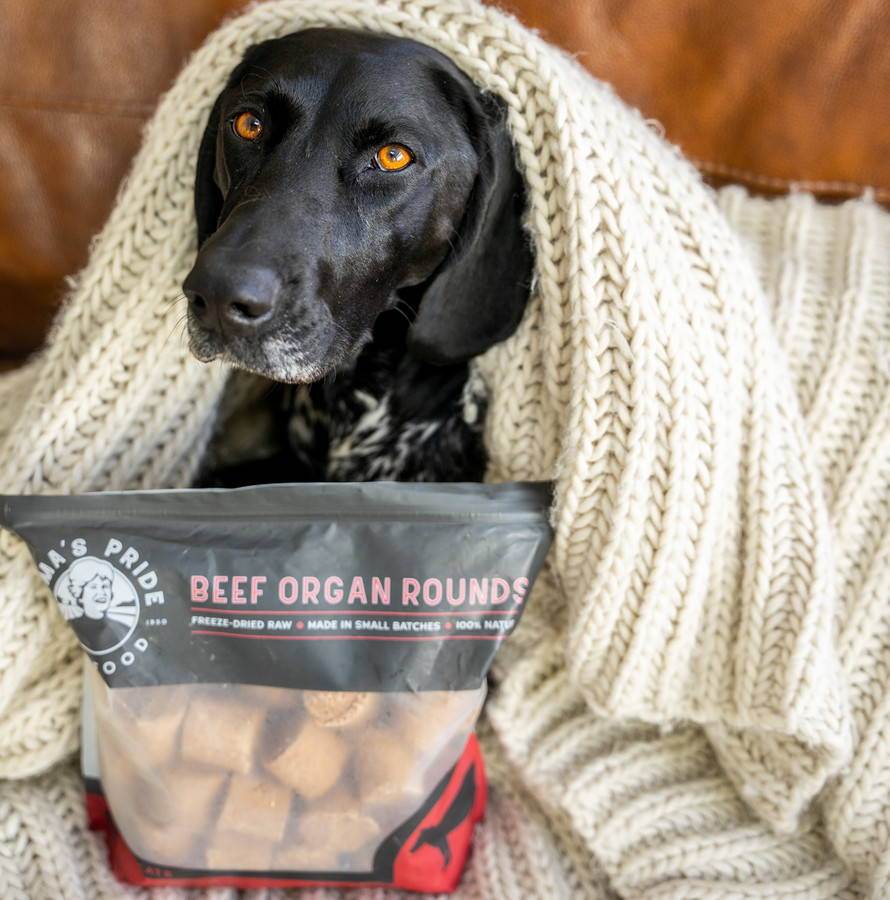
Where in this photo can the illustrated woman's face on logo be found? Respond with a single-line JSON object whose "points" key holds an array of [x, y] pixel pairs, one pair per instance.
{"points": [[96, 597]]}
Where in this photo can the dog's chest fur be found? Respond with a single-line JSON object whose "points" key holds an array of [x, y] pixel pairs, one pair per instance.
{"points": [[391, 418], [386, 417]]}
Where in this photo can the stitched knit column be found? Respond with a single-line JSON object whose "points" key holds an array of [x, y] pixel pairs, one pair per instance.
{"points": [[827, 272]]}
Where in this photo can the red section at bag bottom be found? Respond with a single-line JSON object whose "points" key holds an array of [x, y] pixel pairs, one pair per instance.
{"points": [[431, 859]]}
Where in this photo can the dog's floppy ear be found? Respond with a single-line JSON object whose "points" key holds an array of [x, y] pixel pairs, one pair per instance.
{"points": [[209, 169], [208, 196], [478, 294]]}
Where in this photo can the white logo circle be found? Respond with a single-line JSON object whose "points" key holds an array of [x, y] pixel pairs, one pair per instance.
{"points": [[99, 601]]}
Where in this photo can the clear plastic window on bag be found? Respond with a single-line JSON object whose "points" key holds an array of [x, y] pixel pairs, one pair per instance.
{"points": [[263, 778]]}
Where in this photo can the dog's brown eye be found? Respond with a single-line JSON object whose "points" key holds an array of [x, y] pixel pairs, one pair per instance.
{"points": [[248, 126], [393, 157]]}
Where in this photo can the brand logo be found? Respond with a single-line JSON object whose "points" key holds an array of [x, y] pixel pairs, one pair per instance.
{"points": [[100, 601], [101, 591]]}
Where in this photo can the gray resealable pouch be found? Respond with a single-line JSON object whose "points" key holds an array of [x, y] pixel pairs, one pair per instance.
{"points": [[285, 678]]}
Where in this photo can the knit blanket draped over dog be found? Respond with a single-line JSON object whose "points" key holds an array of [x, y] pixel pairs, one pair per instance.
{"points": [[694, 704]]}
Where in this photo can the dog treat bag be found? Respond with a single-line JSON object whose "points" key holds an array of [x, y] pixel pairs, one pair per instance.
{"points": [[282, 681]]}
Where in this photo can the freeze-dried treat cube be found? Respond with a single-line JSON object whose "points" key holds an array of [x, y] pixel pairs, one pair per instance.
{"points": [[222, 732], [341, 798], [386, 769], [162, 844], [338, 821], [428, 719], [311, 762], [178, 794], [256, 805], [273, 697], [117, 758], [361, 860], [153, 714], [142, 724], [301, 856], [341, 709], [228, 850], [345, 831]]}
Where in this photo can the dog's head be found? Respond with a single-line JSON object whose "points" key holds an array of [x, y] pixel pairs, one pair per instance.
{"points": [[339, 169]]}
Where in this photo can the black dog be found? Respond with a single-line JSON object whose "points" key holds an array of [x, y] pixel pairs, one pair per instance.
{"points": [[359, 222]]}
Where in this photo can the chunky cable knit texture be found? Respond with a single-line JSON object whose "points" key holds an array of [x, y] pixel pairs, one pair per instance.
{"points": [[694, 705]]}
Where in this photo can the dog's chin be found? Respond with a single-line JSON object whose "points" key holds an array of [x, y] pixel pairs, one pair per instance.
{"points": [[276, 356]]}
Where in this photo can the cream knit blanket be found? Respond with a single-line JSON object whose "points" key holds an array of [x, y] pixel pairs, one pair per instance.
{"points": [[695, 703]]}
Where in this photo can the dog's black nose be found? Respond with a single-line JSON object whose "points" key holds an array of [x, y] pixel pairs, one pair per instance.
{"points": [[231, 298]]}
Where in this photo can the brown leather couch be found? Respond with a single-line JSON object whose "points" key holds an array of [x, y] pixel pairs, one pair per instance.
{"points": [[769, 95]]}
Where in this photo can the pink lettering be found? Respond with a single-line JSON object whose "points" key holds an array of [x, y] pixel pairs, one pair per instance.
{"points": [[219, 583], [199, 589], [449, 591], [410, 589], [288, 589], [311, 586], [333, 589], [500, 590], [238, 595], [432, 591], [357, 591], [380, 590], [520, 587], [478, 591]]}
